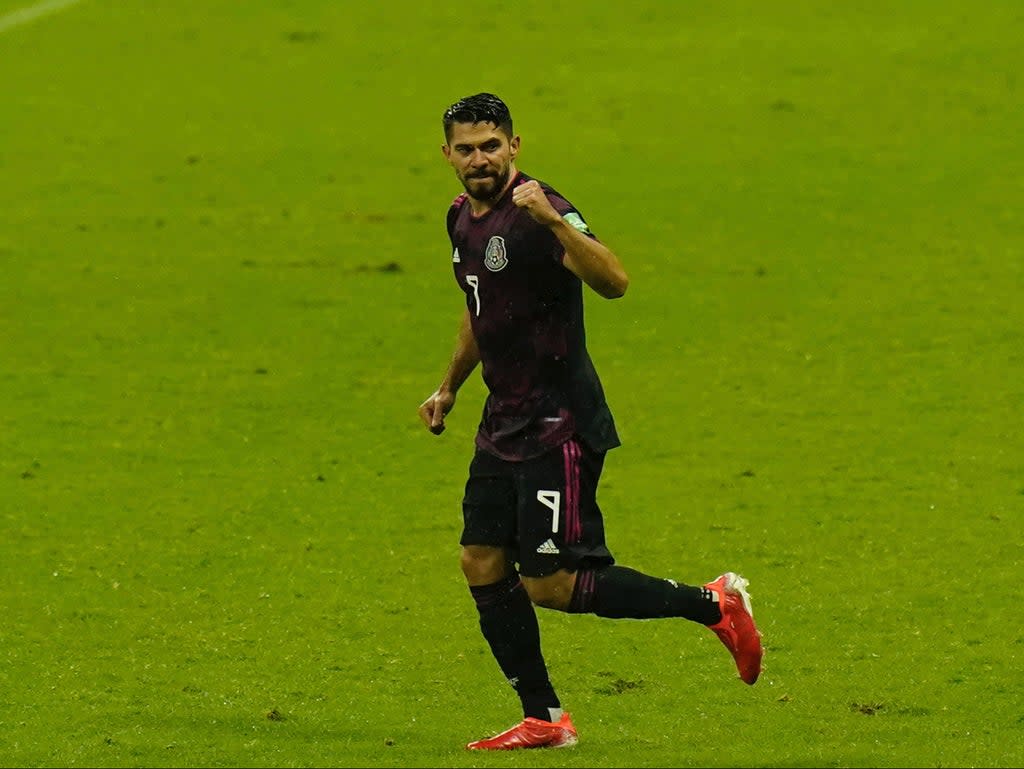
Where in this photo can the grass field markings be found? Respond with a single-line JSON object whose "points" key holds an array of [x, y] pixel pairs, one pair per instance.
{"points": [[868, 709], [618, 686], [33, 12]]}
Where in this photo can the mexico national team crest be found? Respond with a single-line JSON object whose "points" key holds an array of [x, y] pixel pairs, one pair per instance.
{"points": [[495, 257]]}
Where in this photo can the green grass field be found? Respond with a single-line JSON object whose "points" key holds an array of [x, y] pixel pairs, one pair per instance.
{"points": [[225, 538]]}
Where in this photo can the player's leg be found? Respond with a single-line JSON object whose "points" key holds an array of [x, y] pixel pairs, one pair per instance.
{"points": [[563, 556], [575, 543], [508, 620]]}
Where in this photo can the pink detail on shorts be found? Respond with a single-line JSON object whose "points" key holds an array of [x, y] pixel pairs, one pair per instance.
{"points": [[573, 525]]}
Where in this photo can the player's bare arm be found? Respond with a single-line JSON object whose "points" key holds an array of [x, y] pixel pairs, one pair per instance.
{"points": [[464, 359], [590, 260]]}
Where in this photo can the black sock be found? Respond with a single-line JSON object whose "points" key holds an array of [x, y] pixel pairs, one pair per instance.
{"points": [[509, 623], [620, 592]]}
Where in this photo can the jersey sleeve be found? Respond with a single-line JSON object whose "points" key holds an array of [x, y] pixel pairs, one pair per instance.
{"points": [[453, 214], [571, 214]]}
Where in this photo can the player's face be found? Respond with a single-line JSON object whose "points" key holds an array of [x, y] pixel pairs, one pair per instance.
{"points": [[483, 158]]}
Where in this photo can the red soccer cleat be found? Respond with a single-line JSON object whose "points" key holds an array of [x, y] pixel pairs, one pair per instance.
{"points": [[736, 629], [531, 733]]}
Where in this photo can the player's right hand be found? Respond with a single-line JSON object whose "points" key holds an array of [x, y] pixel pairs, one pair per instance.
{"points": [[434, 409]]}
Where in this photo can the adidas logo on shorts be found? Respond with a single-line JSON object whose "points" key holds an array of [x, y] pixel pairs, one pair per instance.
{"points": [[548, 548]]}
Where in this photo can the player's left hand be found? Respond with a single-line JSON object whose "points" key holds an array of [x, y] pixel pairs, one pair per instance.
{"points": [[530, 196]]}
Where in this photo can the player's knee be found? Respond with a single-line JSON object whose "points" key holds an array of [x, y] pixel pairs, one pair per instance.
{"points": [[483, 565]]}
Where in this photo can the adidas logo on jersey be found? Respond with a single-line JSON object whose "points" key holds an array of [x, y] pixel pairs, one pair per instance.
{"points": [[548, 548], [455, 256]]}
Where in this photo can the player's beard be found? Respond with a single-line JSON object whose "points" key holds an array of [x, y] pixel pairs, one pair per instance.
{"points": [[486, 191]]}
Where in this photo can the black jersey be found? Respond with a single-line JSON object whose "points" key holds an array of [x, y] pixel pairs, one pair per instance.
{"points": [[526, 311]]}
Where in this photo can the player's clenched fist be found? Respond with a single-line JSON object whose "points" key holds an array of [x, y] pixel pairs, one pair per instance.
{"points": [[530, 196], [434, 409]]}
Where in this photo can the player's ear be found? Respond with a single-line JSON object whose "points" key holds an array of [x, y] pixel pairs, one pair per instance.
{"points": [[513, 146], [447, 152]]}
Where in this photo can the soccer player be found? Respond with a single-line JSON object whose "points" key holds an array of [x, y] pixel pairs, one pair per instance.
{"points": [[532, 529]]}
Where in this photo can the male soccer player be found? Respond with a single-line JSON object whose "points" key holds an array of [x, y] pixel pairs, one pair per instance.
{"points": [[532, 529]]}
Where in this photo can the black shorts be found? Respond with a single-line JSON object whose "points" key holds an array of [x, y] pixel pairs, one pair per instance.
{"points": [[543, 509]]}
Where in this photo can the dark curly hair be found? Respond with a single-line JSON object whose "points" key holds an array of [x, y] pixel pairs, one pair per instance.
{"points": [[479, 108]]}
